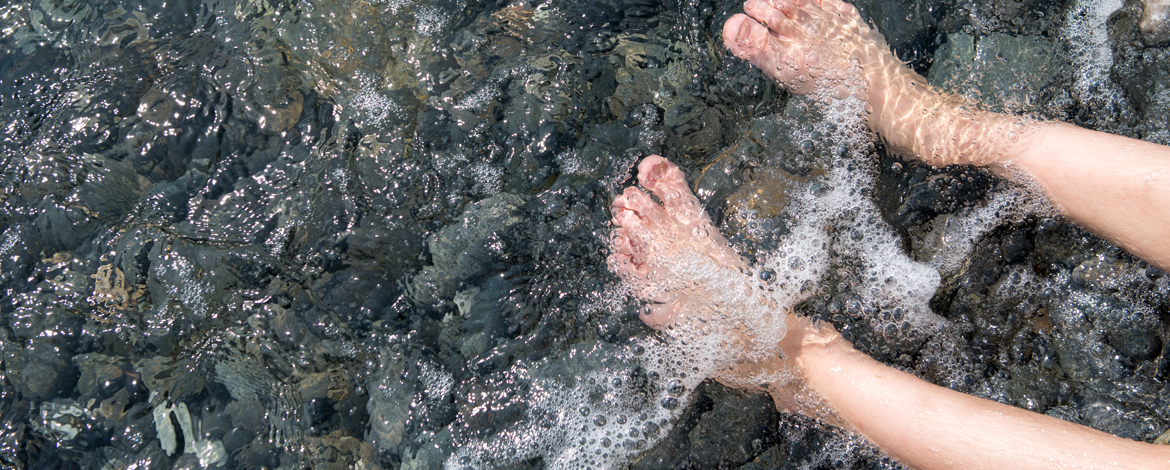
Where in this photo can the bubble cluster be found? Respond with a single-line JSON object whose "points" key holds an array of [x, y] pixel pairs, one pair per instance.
{"points": [[954, 236], [612, 404], [393, 6], [185, 288], [377, 108], [430, 20], [9, 242], [1085, 30]]}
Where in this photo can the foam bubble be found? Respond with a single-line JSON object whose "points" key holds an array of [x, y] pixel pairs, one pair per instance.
{"points": [[954, 237], [185, 287], [393, 6], [377, 107], [1085, 30], [479, 100], [613, 403], [9, 242], [430, 20], [489, 179]]}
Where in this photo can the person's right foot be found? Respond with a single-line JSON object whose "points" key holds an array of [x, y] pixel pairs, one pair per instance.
{"points": [[824, 48], [805, 46]]}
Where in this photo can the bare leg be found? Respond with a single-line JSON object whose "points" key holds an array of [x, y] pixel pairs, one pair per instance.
{"points": [[1116, 186], [920, 424], [826, 49]]}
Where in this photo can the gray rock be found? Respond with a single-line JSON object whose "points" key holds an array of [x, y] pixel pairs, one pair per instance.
{"points": [[247, 415], [464, 249], [99, 373], [723, 436], [390, 403], [1117, 419], [999, 71], [45, 371]]}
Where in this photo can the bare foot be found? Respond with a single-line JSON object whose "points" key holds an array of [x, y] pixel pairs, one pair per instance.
{"points": [[654, 243], [696, 284], [824, 48]]}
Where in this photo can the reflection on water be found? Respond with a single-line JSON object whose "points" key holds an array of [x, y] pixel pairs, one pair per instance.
{"points": [[372, 234]]}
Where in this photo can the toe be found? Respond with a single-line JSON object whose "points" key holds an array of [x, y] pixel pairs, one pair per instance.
{"points": [[668, 183], [645, 208], [659, 314], [620, 243], [655, 171], [744, 36]]}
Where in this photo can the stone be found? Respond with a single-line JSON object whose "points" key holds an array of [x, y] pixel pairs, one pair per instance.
{"points": [[100, 374], [462, 249], [247, 414], [1001, 72]]}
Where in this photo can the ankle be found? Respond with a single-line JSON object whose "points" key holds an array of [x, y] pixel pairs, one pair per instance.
{"points": [[942, 129]]}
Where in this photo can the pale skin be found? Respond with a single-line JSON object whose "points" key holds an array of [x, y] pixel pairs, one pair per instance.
{"points": [[1114, 185]]}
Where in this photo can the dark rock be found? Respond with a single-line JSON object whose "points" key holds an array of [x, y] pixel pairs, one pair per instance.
{"points": [[247, 415], [236, 438], [1012, 82]]}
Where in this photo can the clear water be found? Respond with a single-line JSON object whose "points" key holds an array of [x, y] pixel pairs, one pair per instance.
{"points": [[372, 234]]}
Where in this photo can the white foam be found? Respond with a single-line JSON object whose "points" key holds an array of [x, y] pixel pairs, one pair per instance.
{"points": [[430, 20], [959, 233], [1086, 32], [479, 100], [392, 6], [378, 108], [184, 286], [9, 243], [606, 417], [489, 179]]}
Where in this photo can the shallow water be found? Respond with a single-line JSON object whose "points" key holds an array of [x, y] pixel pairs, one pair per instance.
{"points": [[373, 234]]}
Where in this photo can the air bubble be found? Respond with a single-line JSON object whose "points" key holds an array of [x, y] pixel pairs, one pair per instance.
{"points": [[796, 263]]}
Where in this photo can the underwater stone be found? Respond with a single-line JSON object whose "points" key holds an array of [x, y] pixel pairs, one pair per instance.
{"points": [[1101, 273], [1004, 72], [98, 373], [44, 373], [736, 418], [390, 402], [1115, 418], [458, 251], [236, 438], [246, 414], [63, 420]]}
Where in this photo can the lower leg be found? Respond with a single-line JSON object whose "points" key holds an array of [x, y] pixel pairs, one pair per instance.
{"points": [[920, 424], [825, 49], [1116, 186]]}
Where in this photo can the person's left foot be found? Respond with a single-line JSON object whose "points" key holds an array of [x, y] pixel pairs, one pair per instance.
{"points": [[696, 284], [654, 241]]}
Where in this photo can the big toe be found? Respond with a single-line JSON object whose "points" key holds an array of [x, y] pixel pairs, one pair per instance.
{"points": [[743, 36], [667, 182]]}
